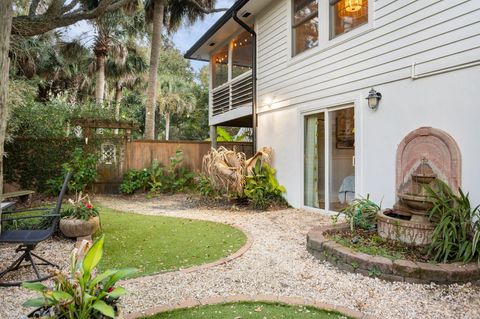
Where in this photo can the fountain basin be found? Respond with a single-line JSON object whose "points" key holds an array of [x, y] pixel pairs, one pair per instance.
{"points": [[398, 226], [419, 204]]}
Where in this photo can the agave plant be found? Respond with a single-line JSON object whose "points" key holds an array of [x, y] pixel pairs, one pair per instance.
{"points": [[81, 294]]}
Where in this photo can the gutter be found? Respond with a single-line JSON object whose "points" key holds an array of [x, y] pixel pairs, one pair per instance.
{"points": [[254, 75], [223, 19]]}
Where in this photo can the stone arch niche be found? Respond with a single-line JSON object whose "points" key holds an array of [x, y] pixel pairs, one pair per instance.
{"points": [[434, 145]]}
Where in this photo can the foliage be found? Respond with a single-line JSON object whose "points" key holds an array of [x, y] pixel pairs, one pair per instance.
{"points": [[80, 208], [81, 294], [361, 213], [262, 188], [224, 136], [134, 180], [84, 168], [171, 179], [456, 235], [31, 162], [205, 187], [155, 244]]}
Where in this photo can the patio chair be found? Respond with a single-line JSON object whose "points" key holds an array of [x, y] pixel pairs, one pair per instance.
{"points": [[29, 238]]}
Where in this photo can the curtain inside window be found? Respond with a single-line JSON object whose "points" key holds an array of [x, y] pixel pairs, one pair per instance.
{"points": [[311, 162]]}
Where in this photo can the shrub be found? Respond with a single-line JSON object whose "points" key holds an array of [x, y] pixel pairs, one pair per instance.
{"points": [[361, 213], [262, 188], [456, 235], [134, 180], [80, 208], [84, 169], [81, 293], [158, 178], [205, 187]]}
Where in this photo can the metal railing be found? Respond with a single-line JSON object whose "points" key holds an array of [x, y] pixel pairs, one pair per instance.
{"points": [[232, 95]]}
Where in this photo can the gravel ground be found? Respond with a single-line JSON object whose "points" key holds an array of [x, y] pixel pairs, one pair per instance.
{"points": [[276, 264]]}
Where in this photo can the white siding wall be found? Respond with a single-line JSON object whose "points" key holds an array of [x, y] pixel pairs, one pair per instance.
{"points": [[432, 34]]}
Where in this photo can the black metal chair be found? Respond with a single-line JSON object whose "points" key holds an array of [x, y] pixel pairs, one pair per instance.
{"points": [[29, 238]]}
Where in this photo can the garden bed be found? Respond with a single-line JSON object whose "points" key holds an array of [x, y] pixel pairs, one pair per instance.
{"points": [[387, 263]]}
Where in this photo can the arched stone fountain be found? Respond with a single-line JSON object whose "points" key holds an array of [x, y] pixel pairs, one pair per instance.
{"points": [[425, 155]]}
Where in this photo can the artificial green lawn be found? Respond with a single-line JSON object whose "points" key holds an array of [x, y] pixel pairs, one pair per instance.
{"points": [[156, 243], [249, 310]]}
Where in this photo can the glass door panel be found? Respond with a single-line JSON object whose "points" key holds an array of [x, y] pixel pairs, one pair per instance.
{"points": [[341, 158], [314, 175]]}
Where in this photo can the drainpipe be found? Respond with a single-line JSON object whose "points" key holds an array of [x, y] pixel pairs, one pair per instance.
{"points": [[254, 77]]}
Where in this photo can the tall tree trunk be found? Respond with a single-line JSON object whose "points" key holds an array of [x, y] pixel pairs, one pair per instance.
{"points": [[5, 29], [73, 92], [158, 11], [118, 100], [167, 126], [100, 78]]}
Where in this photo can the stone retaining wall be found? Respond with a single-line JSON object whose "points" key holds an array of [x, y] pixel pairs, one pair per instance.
{"points": [[393, 270]]}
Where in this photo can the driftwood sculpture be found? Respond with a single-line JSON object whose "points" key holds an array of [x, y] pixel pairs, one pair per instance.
{"points": [[227, 169]]}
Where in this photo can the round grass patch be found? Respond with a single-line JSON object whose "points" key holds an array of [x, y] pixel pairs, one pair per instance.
{"points": [[156, 244], [250, 310]]}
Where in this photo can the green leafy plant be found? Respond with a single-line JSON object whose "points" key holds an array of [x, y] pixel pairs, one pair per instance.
{"points": [[456, 235], [80, 208], [360, 213], [262, 188], [81, 294], [205, 187], [134, 180], [84, 168], [172, 178]]}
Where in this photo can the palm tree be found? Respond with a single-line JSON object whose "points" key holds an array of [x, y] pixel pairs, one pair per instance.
{"points": [[176, 96], [169, 14], [126, 73]]}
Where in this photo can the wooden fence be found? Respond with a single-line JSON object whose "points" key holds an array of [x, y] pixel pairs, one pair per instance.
{"points": [[140, 154]]}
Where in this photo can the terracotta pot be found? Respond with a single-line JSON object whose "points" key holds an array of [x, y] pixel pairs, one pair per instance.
{"points": [[79, 228]]}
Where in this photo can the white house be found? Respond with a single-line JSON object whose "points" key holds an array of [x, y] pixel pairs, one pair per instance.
{"points": [[315, 63]]}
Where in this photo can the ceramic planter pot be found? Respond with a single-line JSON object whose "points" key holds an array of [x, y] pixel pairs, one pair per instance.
{"points": [[74, 228]]}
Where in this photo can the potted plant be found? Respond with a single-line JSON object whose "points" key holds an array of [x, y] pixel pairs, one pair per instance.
{"points": [[81, 218], [81, 293]]}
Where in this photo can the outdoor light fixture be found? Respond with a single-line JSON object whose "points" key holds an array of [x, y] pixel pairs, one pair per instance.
{"points": [[373, 99]]}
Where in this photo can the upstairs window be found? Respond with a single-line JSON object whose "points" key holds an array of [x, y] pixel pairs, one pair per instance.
{"points": [[346, 15], [220, 67], [242, 54], [304, 25]]}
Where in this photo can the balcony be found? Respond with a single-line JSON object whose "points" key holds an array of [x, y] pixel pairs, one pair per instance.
{"points": [[231, 103]]}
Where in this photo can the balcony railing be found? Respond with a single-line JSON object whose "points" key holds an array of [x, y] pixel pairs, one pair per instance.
{"points": [[232, 95]]}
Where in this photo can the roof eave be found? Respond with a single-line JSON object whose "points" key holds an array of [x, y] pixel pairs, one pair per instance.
{"points": [[213, 29]]}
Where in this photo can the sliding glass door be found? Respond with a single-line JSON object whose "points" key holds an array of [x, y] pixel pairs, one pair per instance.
{"points": [[329, 177]]}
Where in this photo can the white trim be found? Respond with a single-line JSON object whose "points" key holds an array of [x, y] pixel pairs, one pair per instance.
{"points": [[333, 104], [324, 41]]}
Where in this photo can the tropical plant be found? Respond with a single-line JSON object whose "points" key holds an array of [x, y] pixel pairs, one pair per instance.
{"points": [[81, 294], [360, 213], [224, 136], [176, 178], [80, 208], [175, 96], [205, 187], [134, 180], [84, 168], [169, 13], [456, 235], [262, 188]]}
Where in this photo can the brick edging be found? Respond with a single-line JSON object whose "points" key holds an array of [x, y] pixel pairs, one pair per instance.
{"points": [[392, 270], [292, 301]]}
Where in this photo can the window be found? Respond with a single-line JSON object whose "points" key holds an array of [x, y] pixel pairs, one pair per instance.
{"points": [[346, 15], [304, 25], [242, 54], [220, 67]]}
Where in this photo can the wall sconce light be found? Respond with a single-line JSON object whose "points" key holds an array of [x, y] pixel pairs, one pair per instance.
{"points": [[373, 99]]}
